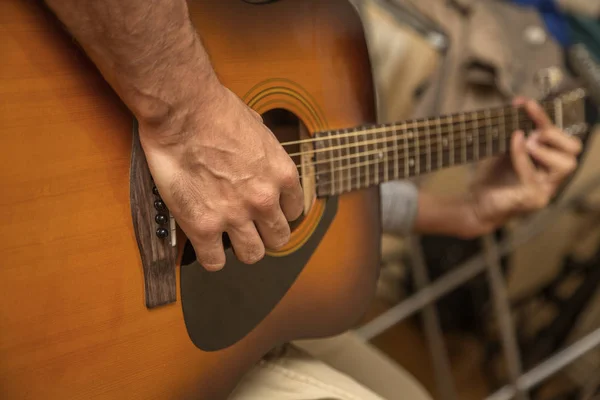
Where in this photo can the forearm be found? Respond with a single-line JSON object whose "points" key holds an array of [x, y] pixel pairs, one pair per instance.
{"points": [[148, 51], [450, 216], [407, 209]]}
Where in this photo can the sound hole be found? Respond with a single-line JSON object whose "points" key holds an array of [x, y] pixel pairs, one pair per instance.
{"points": [[289, 128]]}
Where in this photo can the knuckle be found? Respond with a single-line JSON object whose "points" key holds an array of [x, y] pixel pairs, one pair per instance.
{"points": [[237, 219], [265, 199], [209, 227], [289, 176]]}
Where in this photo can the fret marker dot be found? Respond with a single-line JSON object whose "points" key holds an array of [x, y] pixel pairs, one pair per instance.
{"points": [[410, 134], [411, 162], [445, 141], [380, 155], [470, 138]]}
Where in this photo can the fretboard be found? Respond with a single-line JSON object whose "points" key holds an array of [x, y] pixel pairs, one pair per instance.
{"points": [[353, 159]]}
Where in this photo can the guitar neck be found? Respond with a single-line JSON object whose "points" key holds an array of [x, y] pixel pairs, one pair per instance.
{"points": [[353, 159]]}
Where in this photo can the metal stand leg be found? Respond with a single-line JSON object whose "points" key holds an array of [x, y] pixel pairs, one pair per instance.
{"points": [[551, 366], [503, 314], [435, 338]]}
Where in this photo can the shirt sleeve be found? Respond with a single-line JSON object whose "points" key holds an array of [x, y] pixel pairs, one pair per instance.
{"points": [[399, 206]]}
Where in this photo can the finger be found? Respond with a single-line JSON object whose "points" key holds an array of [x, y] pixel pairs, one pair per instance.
{"points": [[561, 141], [558, 164], [209, 251], [292, 196], [246, 243], [538, 115], [519, 101], [522, 163], [274, 229]]}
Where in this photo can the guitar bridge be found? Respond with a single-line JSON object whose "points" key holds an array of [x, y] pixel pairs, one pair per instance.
{"points": [[155, 231]]}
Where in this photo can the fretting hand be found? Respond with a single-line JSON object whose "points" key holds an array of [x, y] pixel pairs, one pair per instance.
{"points": [[513, 184]]}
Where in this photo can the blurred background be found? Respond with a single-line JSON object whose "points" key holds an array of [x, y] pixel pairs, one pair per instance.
{"points": [[527, 299]]}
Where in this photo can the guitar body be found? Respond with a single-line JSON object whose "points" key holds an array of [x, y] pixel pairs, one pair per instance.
{"points": [[74, 322]]}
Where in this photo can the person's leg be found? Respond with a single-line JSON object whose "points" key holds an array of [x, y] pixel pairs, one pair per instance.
{"points": [[292, 374], [366, 364]]}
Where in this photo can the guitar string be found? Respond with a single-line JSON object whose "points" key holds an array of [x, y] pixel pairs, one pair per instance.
{"points": [[374, 161], [375, 177], [454, 144], [415, 124], [422, 122], [429, 139], [402, 135]]}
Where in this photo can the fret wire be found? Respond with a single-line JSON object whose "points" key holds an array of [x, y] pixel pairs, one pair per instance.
{"points": [[377, 155], [489, 143], [368, 183], [332, 165], [417, 164], [349, 173], [451, 130], [359, 171], [463, 136], [339, 151], [475, 138], [406, 170], [440, 143], [359, 176], [354, 180], [396, 166], [386, 176], [428, 147]]}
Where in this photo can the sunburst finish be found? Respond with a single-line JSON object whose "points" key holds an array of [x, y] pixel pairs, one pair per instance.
{"points": [[73, 323]]}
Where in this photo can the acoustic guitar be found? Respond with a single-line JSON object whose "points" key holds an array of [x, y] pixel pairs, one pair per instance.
{"points": [[100, 297]]}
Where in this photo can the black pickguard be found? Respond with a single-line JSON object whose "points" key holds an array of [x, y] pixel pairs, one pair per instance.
{"points": [[221, 308]]}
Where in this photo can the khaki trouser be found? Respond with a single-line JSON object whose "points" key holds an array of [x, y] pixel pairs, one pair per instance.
{"points": [[340, 368]]}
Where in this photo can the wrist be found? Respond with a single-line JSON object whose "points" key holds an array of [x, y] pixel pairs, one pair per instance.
{"points": [[189, 86], [456, 216], [475, 222]]}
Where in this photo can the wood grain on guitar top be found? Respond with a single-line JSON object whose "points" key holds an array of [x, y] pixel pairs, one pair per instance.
{"points": [[73, 318]]}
